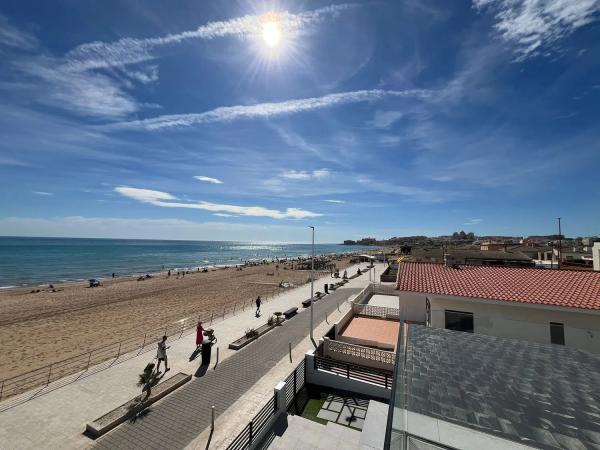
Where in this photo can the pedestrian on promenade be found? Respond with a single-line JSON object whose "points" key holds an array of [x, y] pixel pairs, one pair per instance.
{"points": [[161, 354], [199, 335], [258, 303]]}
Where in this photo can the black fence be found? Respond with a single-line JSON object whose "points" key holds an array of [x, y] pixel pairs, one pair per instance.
{"points": [[255, 426], [379, 377], [294, 384]]}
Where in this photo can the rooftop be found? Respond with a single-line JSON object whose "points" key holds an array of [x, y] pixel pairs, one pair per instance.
{"points": [[566, 288], [371, 332], [541, 395]]}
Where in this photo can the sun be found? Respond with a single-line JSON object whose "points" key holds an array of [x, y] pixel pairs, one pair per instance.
{"points": [[271, 34]]}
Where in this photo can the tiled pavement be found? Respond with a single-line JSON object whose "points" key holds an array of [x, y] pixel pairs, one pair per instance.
{"points": [[178, 419], [345, 410]]}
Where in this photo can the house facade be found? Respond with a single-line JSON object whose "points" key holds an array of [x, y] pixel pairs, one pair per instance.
{"points": [[559, 307]]}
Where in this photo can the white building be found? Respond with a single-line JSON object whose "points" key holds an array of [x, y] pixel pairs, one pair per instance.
{"points": [[596, 256], [545, 306]]}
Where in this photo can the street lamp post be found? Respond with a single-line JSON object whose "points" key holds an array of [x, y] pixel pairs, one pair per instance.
{"points": [[312, 285]]}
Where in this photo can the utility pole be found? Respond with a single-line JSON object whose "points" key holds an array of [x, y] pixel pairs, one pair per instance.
{"points": [[312, 286], [559, 243]]}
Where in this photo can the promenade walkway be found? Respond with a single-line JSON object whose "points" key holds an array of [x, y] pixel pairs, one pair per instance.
{"points": [[177, 420], [57, 418]]}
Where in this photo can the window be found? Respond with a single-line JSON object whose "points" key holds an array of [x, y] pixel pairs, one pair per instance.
{"points": [[459, 321], [557, 333]]}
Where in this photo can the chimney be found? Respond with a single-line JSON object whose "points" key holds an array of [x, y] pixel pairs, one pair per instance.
{"points": [[448, 260]]}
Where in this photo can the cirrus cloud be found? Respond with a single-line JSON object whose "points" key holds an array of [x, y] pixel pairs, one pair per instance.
{"points": [[208, 179], [533, 25], [165, 200], [266, 110]]}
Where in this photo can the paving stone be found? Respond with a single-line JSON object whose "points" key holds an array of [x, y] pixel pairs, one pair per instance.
{"points": [[335, 406], [328, 415], [359, 412]]}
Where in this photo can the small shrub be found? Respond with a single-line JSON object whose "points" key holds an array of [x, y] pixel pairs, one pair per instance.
{"points": [[271, 320], [251, 332]]}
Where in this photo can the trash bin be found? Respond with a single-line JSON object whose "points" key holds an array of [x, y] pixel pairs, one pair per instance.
{"points": [[206, 350], [326, 289]]}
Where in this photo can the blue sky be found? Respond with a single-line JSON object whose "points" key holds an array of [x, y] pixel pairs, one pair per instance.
{"points": [[253, 120]]}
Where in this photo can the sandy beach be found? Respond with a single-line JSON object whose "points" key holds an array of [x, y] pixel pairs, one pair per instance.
{"points": [[44, 327]]}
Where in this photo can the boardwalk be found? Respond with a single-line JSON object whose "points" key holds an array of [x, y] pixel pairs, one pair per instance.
{"points": [[178, 419]]}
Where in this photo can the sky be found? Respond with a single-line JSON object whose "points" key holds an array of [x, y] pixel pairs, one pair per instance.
{"points": [[255, 120]]}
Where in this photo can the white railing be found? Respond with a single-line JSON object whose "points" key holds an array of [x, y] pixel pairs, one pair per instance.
{"points": [[359, 354]]}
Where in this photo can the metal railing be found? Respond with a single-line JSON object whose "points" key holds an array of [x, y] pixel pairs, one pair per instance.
{"points": [[59, 373], [379, 377], [360, 351], [294, 383], [248, 434], [376, 311]]}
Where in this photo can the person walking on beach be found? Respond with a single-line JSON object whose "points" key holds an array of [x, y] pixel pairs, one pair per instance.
{"points": [[199, 335], [161, 354], [258, 303]]}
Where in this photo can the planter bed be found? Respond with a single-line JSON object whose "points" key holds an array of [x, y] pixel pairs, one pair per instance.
{"points": [[243, 341], [127, 410]]}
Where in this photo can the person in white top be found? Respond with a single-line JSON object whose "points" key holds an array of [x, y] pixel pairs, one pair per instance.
{"points": [[161, 354]]}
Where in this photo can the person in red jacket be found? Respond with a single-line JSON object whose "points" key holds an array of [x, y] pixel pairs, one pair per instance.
{"points": [[199, 335]]}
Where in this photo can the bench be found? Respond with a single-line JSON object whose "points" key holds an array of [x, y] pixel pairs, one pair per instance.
{"points": [[306, 303], [290, 312]]}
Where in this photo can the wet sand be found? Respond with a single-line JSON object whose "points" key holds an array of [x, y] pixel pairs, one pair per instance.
{"points": [[37, 329]]}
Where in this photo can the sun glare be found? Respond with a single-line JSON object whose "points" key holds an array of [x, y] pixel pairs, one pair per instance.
{"points": [[271, 33]]}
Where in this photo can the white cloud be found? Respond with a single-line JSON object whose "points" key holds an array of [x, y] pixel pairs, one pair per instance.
{"points": [[534, 25], [321, 173], [87, 93], [265, 110], [144, 195], [223, 215], [389, 139], [296, 175], [163, 199], [335, 201], [144, 76], [13, 37], [43, 193], [99, 55], [385, 119], [208, 179], [473, 221], [443, 178], [10, 161], [304, 175]]}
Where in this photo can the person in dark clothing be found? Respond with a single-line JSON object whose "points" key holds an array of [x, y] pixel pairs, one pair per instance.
{"points": [[258, 303]]}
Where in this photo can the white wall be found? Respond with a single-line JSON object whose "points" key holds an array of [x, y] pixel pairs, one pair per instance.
{"points": [[413, 304], [596, 254], [520, 321]]}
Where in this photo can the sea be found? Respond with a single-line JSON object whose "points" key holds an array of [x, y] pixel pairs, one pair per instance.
{"points": [[33, 261]]}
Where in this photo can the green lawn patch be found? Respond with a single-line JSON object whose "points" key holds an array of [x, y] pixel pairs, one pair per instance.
{"points": [[312, 408]]}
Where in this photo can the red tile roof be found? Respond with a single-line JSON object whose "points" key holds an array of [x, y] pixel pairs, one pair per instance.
{"points": [[567, 288]]}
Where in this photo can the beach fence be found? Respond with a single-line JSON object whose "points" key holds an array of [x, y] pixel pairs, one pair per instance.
{"points": [[23, 387]]}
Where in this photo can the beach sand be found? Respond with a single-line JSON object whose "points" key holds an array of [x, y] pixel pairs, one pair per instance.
{"points": [[37, 329]]}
